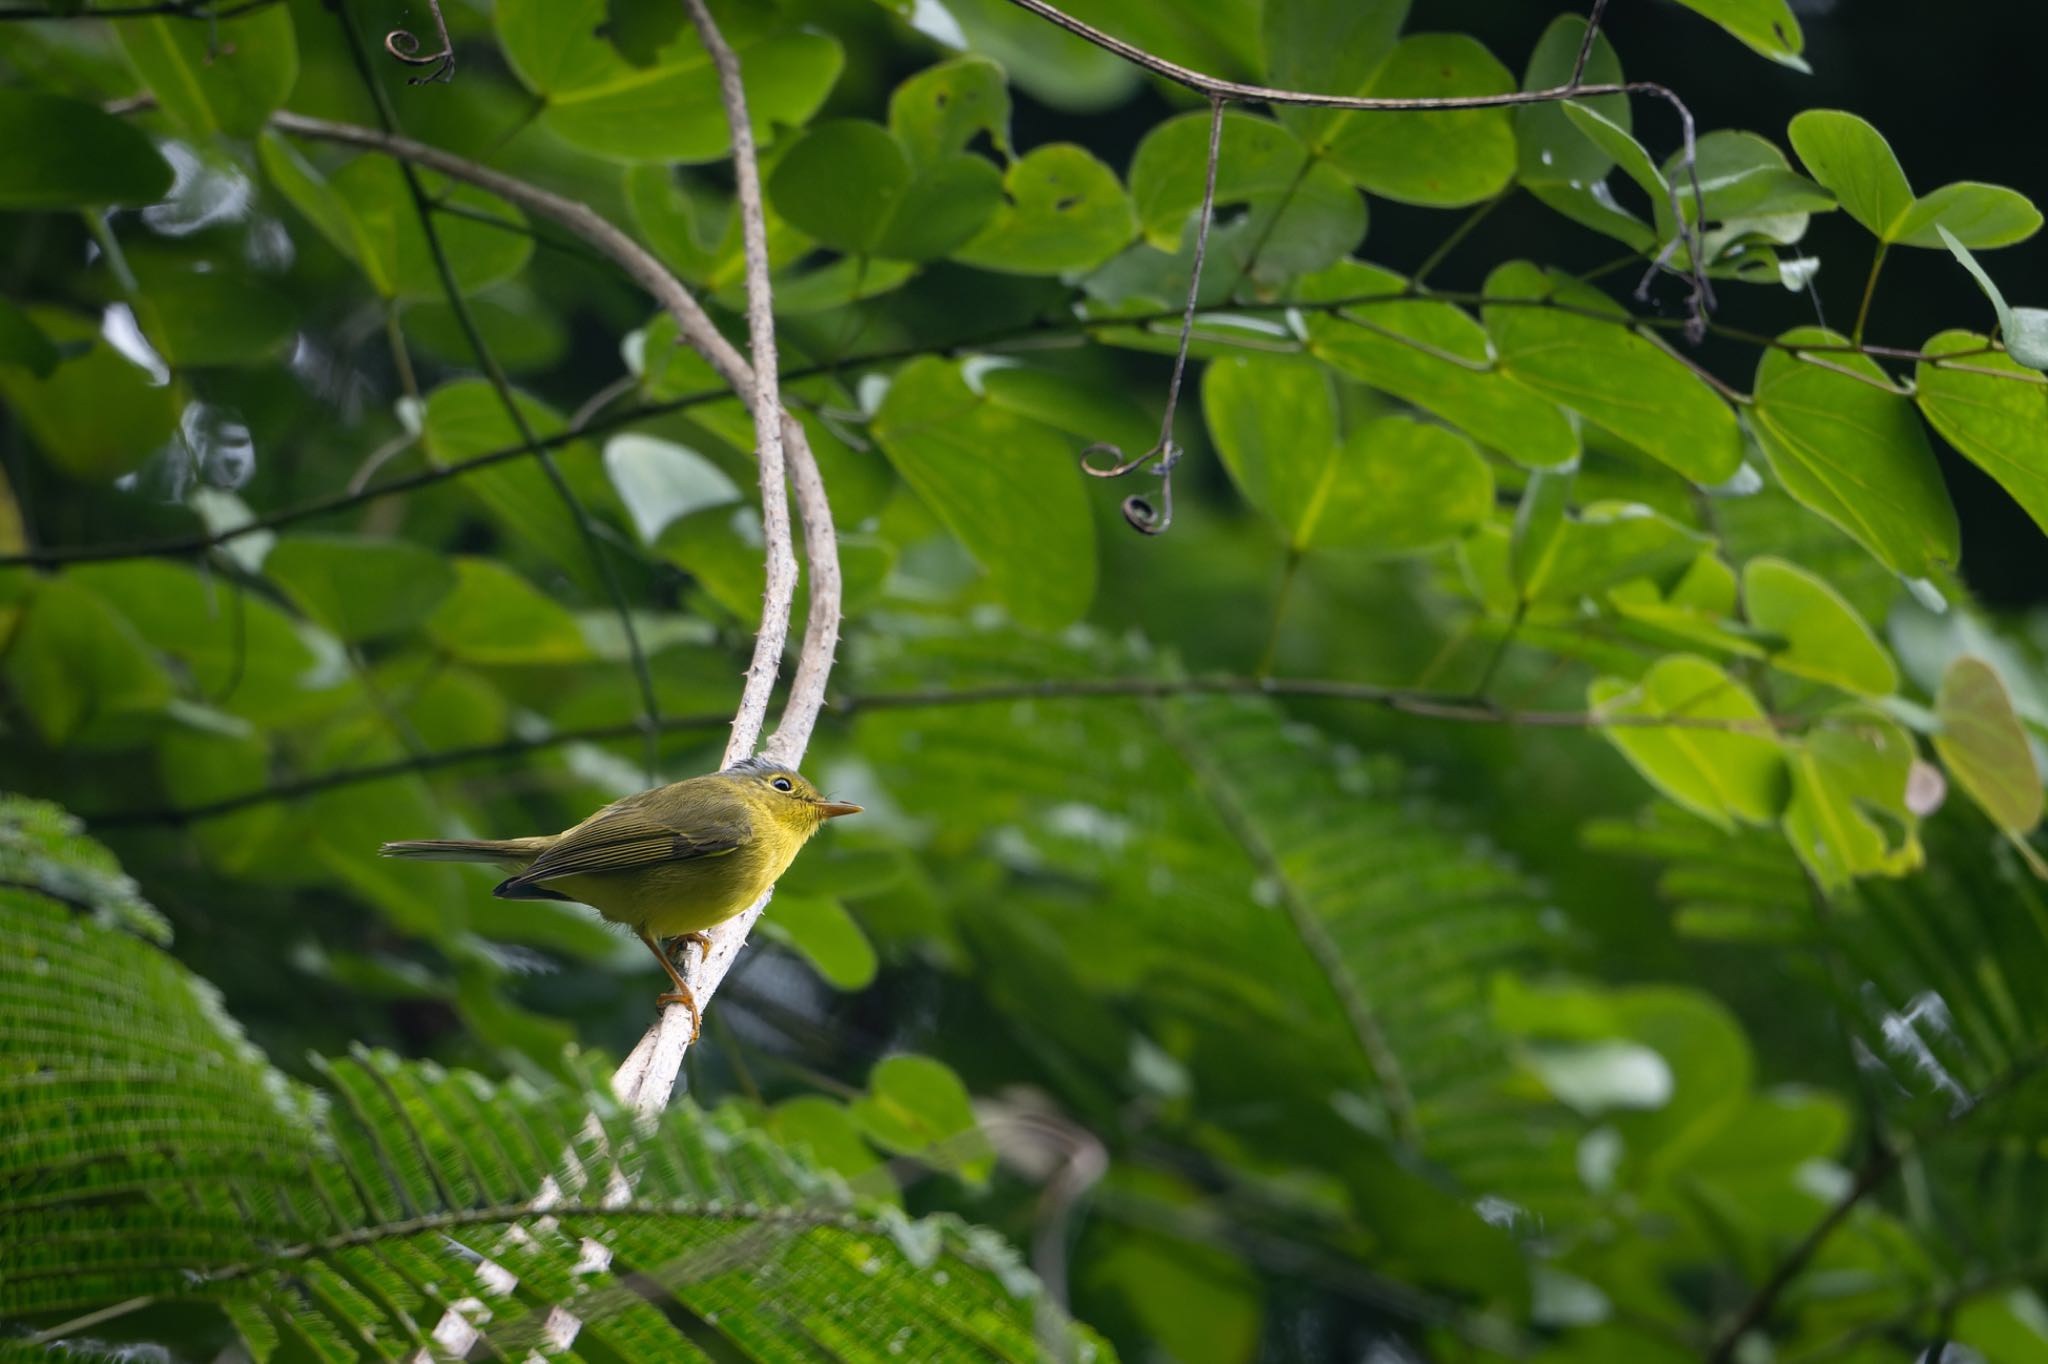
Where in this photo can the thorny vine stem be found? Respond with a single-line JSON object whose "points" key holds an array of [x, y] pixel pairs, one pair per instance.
{"points": [[647, 1077]]}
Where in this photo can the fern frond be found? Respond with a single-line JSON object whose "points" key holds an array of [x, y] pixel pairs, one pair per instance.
{"points": [[150, 1154]]}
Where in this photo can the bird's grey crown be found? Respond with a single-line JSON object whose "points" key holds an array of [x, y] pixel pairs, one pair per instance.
{"points": [[761, 765]]}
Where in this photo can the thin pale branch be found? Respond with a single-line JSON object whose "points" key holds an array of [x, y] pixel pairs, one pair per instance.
{"points": [[648, 1075]]}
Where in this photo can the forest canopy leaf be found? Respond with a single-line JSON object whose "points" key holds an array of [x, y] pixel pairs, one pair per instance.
{"points": [[1848, 446], [221, 76], [66, 153], [1719, 760], [1006, 487], [1995, 412], [1985, 747]]}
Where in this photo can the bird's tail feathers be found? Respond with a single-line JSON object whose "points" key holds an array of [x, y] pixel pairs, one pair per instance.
{"points": [[495, 850]]}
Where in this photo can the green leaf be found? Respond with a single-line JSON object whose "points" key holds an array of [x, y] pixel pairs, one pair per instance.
{"points": [[1436, 356], [495, 617], [916, 1106], [1766, 26], [216, 318], [1998, 419], [1443, 159], [1852, 158], [1824, 638], [76, 666], [661, 482], [1539, 521], [639, 29], [1258, 160], [1724, 774], [599, 103], [467, 419], [1274, 421], [1394, 487], [1064, 210], [1850, 448], [2024, 330], [938, 111], [22, 343], [1620, 146], [1978, 215], [1619, 381], [360, 588], [220, 76], [840, 183], [1847, 816], [827, 937], [1399, 486], [1985, 747], [945, 205], [1007, 489], [814, 1125], [235, 647], [1605, 544], [67, 153], [1549, 149], [98, 415], [1328, 46]]}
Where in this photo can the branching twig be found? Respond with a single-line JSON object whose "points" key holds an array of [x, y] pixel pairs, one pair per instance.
{"points": [[1456, 709], [648, 1075]]}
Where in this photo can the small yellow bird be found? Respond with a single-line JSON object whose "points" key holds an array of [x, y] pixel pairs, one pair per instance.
{"points": [[666, 863]]}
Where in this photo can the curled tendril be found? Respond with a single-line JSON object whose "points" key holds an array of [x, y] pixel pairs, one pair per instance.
{"points": [[1138, 509], [404, 44]]}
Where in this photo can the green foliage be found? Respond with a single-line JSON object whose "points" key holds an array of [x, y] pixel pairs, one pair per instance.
{"points": [[1248, 919], [400, 1204]]}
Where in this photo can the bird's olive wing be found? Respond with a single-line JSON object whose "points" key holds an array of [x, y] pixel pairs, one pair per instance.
{"points": [[623, 839]]}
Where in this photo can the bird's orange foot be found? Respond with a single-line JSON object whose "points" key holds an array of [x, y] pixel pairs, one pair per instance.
{"points": [[684, 998]]}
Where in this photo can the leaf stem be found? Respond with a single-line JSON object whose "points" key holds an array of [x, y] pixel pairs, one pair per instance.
{"points": [[1869, 291], [1289, 568]]}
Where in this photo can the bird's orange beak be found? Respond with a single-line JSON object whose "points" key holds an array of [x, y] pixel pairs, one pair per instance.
{"points": [[834, 808]]}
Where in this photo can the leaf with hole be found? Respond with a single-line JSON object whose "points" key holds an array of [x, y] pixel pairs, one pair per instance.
{"points": [[942, 108], [1765, 26], [1062, 210], [1848, 816], [1822, 636]]}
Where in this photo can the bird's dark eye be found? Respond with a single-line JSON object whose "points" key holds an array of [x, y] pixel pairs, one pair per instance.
{"points": [[782, 784]]}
